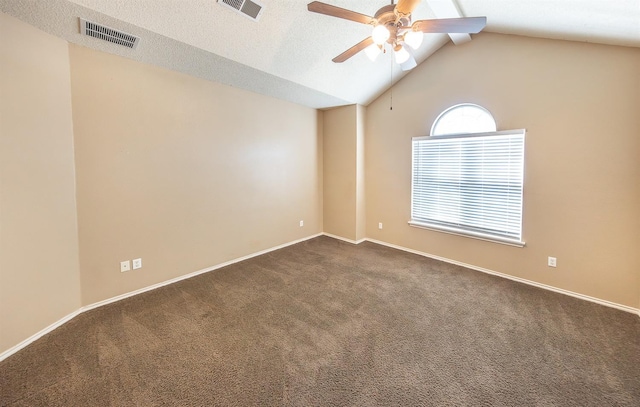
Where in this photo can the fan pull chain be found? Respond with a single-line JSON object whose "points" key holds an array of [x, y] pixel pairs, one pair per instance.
{"points": [[391, 87]]}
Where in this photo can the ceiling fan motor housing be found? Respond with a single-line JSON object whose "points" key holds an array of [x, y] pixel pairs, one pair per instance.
{"points": [[393, 22]]}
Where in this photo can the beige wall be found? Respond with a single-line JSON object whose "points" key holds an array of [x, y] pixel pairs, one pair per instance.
{"points": [[39, 275], [339, 183], [184, 173], [344, 175], [361, 215], [579, 103]]}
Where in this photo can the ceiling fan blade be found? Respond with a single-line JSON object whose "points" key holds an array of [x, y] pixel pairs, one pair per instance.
{"points": [[468, 25], [327, 9], [406, 7], [353, 50]]}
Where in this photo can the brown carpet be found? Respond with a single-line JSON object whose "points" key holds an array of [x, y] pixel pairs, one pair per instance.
{"points": [[327, 323]]}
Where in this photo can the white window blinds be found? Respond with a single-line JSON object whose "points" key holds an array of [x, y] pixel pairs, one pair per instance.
{"points": [[470, 184]]}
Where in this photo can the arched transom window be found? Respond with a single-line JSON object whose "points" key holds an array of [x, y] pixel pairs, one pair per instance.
{"points": [[462, 119]]}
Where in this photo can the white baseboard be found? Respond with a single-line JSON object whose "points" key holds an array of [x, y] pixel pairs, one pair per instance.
{"points": [[193, 274], [39, 335], [344, 239], [98, 304], [510, 277]]}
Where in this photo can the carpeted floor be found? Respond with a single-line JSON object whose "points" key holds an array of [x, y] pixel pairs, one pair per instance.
{"points": [[327, 323]]}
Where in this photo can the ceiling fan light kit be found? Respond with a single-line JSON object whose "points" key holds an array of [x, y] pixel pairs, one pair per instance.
{"points": [[380, 34], [373, 51], [392, 25], [413, 39], [409, 64], [401, 54]]}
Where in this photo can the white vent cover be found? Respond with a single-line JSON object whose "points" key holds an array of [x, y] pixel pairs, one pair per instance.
{"points": [[248, 8], [108, 34]]}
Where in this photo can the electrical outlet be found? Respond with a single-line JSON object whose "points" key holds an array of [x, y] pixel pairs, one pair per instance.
{"points": [[301, 223], [124, 266], [137, 263], [379, 225], [551, 262]]}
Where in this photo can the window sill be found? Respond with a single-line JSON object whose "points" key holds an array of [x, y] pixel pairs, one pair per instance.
{"points": [[466, 233]]}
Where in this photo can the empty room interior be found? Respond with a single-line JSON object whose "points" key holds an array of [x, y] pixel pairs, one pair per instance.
{"points": [[345, 203]]}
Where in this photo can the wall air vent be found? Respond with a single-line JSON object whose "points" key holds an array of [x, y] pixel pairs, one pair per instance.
{"points": [[108, 34], [248, 8]]}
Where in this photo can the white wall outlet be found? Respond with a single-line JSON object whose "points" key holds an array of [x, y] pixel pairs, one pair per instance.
{"points": [[551, 261], [137, 263], [124, 266], [379, 225], [301, 223]]}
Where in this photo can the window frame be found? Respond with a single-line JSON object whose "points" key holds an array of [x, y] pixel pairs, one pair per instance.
{"points": [[461, 231]]}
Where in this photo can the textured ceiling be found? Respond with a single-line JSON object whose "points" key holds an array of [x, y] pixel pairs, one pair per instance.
{"points": [[287, 53]]}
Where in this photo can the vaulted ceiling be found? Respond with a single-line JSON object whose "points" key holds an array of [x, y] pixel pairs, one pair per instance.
{"points": [[287, 53]]}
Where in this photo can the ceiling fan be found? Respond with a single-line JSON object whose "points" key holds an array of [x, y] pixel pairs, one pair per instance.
{"points": [[392, 25]]}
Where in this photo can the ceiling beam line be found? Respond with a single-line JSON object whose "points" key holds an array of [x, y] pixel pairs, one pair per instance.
{"points": [[449, 9]]}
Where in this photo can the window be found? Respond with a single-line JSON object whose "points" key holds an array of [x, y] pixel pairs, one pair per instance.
{"points": [[461, 119], [467, 178]]}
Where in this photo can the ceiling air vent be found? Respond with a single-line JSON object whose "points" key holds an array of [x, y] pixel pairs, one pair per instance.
{"points": [[248, 8], [108, 34]]}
